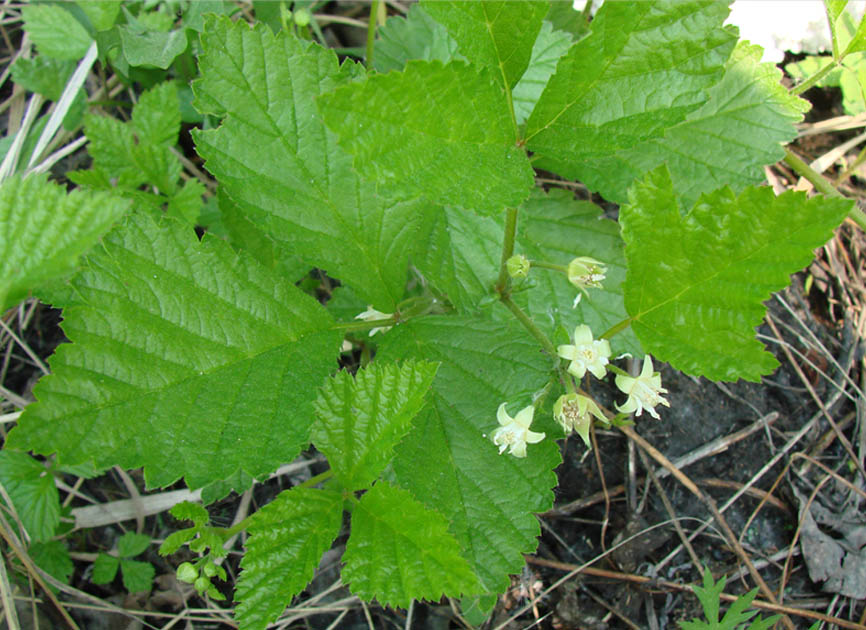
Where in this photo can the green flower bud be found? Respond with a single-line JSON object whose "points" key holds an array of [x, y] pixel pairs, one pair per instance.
{"points": [[201, 584], [186, 572], [585, 272], [302, 17], [517, 266], [210, 569]]}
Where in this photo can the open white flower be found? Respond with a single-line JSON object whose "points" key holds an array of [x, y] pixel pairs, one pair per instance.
{"points": [[585, 272], [513, 433], [371, 314], [574, 413], [644, 392], [586, 355]]}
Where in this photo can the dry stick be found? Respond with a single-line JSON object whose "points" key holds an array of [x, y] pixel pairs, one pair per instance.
{"points": [[6, 595], [825, 441], [687, 588], [842, 439], [708, 501], [134, 497], [671, 512], [612, 609]]}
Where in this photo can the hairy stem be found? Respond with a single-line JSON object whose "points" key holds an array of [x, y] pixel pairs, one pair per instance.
{"points": [[815, 78], [371, 32], [507, 250]]}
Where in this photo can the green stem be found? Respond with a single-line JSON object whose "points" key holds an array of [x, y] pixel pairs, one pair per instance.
{"points": [[546, 265], [507, 249], [616, 328], [530, 325], [364, 325], [811, 81], [822, 185], [371, 32]]}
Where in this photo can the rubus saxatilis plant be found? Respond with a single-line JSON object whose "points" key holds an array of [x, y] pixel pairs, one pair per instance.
{"points": [[493, 301]]}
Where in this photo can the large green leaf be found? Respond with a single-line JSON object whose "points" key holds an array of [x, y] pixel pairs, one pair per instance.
{"points": [[31, 488], [186, 359], [499, 34], [362, 418], [644, 67], [276, 160], [694, 289], [56, 33], [444, 131], [401, 550], [417, 36], [287, 539], [449, 461], [743, 125], [45, 231], [549, 47], [555, 228]]}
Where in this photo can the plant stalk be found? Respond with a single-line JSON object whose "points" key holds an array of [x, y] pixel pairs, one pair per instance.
{"points": [[507, 249], [371, 32]]}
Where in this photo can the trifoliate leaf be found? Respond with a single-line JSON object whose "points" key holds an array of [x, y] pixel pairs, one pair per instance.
{"points": [[496, 34], [187, 359], [695, 290], [361, 419], [287, 539], [279, 164], [643, 68], [555, 228], [137, 576], [104, 568], [55, 31], [417, 36], [52, 557], [743, 125], [131, 544], [31, 488], [46, 230], [549, 47], [400, 550], [449, 462], [444, 131]]}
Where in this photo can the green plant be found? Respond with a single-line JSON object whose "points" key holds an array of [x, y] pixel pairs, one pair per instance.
{"points": [[736, 616], [137, 575], [202, 358]]}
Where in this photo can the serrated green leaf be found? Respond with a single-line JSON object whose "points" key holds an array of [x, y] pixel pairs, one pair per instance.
{"points": [[743, 125], [643, 68], [137, 576], [448, 460], [46, 231], [361, 419], [176, 540], [417, 36], [238, 482], [549, 47], [186, 203], [278, 163], [43, 75], [131, 544], [101, 13], [156, 116], [31, 487], [695, 290], [555, 228], [287, 539], [151, 48], [444, 131], [52, 557], [104, 568], [496, 34], [181, 348], [55, 31], [400, 550], [189, 511]]}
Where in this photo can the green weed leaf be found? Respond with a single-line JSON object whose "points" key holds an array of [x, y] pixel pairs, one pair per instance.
{"points": [[137, 576], [104, 568], [131, 544], [417, 36], [31, 487], [400, 550], [46, 230], [449, 462], [287, 539], [187, 359], [56, 33], [151, 48], [496, 34], [362, 418], [284, 170], [444, 131], [53, 558], [549, 47], [694, 291], [642, 69]]}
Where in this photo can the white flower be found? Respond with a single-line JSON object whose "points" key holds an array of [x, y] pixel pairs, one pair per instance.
{"points": [[372, 314], [574, 412], [585, 272], [586, 354], [514, 433], [644, 392]]}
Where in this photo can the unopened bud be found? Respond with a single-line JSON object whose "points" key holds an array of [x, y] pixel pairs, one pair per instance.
{"points": [[585, 272], [517, 266]]}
